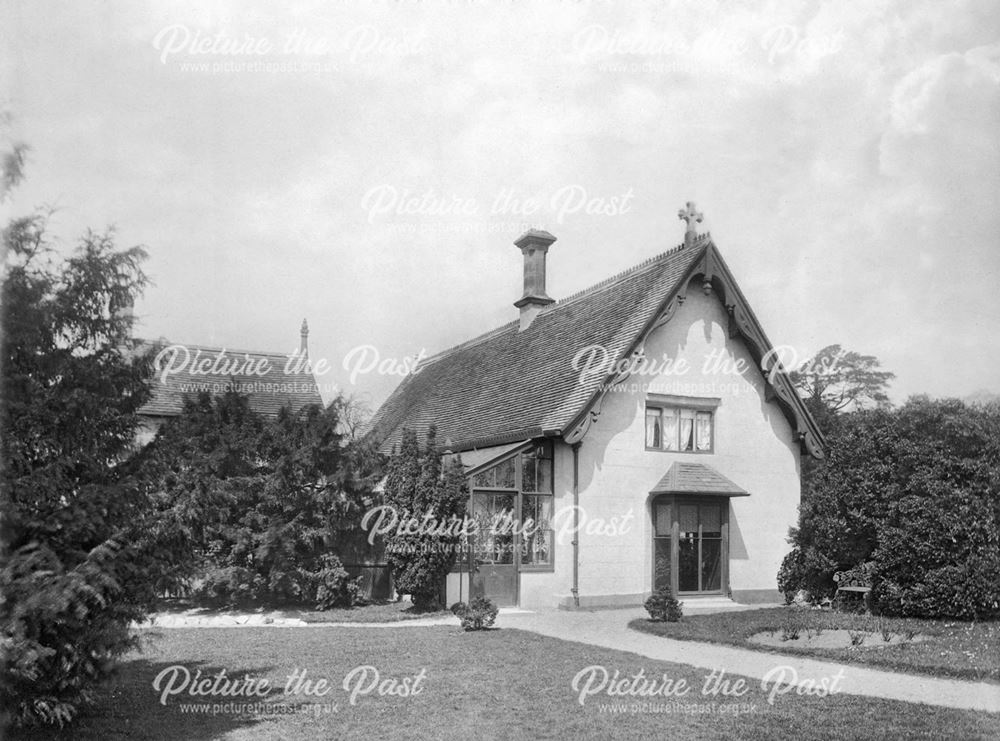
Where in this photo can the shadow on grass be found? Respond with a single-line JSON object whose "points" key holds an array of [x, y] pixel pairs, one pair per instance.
{"points": [[127, 707]]}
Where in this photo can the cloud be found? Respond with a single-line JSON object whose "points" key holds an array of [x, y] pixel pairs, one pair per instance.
{"points": [[844, 154]]}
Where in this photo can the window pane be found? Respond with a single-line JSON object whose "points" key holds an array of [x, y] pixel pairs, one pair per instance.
{"points": [[663, 521], [688, 517], [687, 566], [503, 540], [687, 429], [528, 466], [505, 474], [711, 521], [653, 436], [494, 540], [703, 431], [711, 561], [536, 518], [661, 563], [670, 429], [500, 476], [486, 479], [543, 473]]}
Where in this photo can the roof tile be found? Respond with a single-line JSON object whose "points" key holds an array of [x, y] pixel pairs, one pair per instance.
{"points": [[270, 381]]}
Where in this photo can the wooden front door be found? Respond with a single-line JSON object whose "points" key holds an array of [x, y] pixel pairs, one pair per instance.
{"points": [[495, 572]]}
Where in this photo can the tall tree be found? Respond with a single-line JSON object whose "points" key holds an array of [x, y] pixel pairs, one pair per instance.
{"points": [[835, 381], [422, 490], [77, 559]]}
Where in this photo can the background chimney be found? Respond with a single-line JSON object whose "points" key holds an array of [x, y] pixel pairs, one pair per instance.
{"points": [[534, 244], [304, 344]]}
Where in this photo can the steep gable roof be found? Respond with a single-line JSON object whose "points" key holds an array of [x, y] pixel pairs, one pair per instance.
{"points": [[510, 385], [268, 379]]}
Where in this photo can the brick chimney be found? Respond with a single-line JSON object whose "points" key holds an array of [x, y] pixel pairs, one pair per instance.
{"points": [[304, 340], [534, 244]]}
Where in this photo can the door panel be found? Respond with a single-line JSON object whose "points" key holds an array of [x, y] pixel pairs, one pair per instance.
{"points": [[711, 565], [495, 574], [687, 563]]}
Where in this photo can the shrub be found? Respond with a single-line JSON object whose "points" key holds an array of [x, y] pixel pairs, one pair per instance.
{"points": [[912, 491], [417, 485], [328, 587], [261, 500], [334, 587], [479, 614], [806, 571], [227, 585], [792, 626], [662, 606]]}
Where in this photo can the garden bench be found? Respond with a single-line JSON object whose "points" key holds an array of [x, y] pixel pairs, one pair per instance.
{"points": [[856, 581]]}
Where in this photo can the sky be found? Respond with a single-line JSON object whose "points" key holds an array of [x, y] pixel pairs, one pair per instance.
{"points": [[367, 166]]}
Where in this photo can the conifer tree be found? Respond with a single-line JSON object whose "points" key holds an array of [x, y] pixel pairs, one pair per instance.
{"points": [[418, 486]]}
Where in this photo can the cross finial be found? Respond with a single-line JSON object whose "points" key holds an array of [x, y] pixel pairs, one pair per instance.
{"points": [[692, 217]]}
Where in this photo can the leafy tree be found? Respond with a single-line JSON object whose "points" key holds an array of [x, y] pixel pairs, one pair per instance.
{"points": [[418, 486], [835, 381], [78, 562], [913, 491], [259, 500]]}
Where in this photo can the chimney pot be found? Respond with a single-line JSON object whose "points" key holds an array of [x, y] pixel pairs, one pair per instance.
{"points": [[534, 245]]}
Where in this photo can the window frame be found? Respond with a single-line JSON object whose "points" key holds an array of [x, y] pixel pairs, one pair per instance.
{"points": [[520, 493], [664, 403]]}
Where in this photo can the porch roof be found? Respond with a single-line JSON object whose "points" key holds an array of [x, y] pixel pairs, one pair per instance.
{"points": [[696, 478]]}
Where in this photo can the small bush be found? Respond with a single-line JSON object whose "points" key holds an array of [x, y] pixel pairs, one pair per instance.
{"points": [[884, 627], [479, 614], [807, 572], [857, 637], [334, 587], [790, 629], [327, 587], [227, 586], [662, 606]]}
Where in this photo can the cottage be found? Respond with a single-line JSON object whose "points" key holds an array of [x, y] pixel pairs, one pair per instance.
{"points": [[641, 432]]}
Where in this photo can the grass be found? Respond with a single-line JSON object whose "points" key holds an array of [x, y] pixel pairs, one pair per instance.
{"points": [[385, 612], [379, 612], [955, 649], [494, 684]]}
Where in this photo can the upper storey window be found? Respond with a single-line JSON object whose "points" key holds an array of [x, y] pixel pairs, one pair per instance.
{"points": [[685, 429]]}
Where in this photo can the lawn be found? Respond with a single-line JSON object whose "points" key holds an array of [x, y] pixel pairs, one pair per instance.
{"points": [[498, 684], [379, 612], [953, 649], [385, 612]]}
